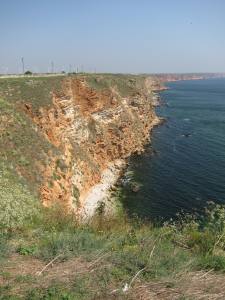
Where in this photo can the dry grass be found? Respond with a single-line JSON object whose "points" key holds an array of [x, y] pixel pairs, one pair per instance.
{"points": [[21, 273], [193, 285]]}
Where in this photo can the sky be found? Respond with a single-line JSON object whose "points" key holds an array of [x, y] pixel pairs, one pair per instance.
{"points": [[118, 36]]}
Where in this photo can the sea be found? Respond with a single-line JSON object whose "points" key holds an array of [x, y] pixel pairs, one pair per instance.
{"points": [[183, 168]]}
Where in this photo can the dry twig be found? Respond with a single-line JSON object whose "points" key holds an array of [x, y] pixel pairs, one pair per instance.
{"points": [[97, 260], [205, 274], [46, 266]]}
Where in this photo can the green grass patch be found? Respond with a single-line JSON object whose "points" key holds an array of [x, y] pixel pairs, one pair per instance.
{"points": [[22, 148], [126, 85], [34, 90]]}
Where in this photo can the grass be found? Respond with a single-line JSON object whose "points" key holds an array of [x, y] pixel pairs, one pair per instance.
{"points": [[23, 152], [126, 85], [36, 90], [4, 246], [110, 252]]}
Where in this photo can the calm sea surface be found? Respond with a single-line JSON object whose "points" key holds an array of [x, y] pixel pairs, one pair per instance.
{"points": [[187, 168]]}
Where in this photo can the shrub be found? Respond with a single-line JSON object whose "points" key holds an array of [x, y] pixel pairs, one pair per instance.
{"points": [[215, 262], [28, 73], [17, 204], [26, 250], [4, 246]]}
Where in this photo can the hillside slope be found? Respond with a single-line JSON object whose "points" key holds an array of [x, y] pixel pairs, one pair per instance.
{"points": [[59, 135]]}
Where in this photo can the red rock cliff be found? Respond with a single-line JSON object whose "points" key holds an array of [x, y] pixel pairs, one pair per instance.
{"points": [[91, 128]]}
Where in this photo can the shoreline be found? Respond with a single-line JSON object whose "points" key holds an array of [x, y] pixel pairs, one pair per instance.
{"points": [[99, 196]]}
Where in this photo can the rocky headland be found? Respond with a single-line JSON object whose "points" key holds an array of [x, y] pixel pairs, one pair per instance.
{"points": [[66, 139]]}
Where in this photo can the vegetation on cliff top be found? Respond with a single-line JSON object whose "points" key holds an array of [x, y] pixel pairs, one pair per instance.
{"points": [[126, 85], [33, 90]]}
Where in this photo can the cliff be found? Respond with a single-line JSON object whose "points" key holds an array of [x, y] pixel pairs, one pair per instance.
{"points": [[69, 132], [158, 84]]}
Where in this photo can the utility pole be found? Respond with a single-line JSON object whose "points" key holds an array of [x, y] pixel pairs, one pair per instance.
{"points": [[22, 60], [52, 66]]}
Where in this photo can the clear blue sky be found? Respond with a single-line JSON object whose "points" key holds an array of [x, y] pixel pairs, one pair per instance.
{"points": [[113, 35]]}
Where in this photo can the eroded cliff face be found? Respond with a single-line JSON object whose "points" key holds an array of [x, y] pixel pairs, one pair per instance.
{"points": [[92, 129], [65, 138]]}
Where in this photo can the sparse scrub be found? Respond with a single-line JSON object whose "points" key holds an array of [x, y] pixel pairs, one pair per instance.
{"points": [[21, 147], [119, 248], [4, 247], [126, 85], [34, 90], [17, 205]]}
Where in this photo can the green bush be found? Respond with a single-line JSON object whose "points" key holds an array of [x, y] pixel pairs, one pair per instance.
{"points": [[26, 250], [17, 205], [4, 246], [214, 262], [28, 73]]}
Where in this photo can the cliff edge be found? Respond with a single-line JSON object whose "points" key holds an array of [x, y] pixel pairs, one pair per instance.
{"points": [[64, 140]]}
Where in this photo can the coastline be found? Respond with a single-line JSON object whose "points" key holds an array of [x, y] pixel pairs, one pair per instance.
{"points": [[100, 196]]}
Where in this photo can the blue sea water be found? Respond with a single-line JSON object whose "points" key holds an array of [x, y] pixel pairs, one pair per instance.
{"points": [[187, 167]]}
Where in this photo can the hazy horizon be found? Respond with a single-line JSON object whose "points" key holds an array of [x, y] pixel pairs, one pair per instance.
{"points": [[114, 37]]}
